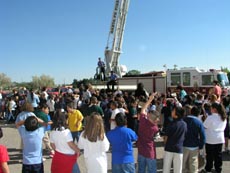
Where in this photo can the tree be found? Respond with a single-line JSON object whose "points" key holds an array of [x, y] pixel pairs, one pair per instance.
{"points": [[226, 70], [133, 72], [175, 67], [42, 81], [5, 81]]}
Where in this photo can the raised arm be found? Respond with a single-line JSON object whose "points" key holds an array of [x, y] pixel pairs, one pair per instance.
{"points": [[145, 106]]}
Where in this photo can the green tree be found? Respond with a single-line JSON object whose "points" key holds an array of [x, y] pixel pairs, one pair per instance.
{"points": [[133, 72], [5, 81], [42, 81], [226, 70]]}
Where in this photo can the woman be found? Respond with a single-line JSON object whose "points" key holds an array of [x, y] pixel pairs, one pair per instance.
{"points": [[66, 151], [33, 99], [95, 144], [214, 128]]}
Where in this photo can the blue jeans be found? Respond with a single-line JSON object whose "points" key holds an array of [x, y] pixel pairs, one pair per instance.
{"points": [[76, 135], [76, 168], [35, 168], [146, 164], [123, 168]]}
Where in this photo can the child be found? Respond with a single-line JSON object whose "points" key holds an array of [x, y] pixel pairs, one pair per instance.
{"points": [[175, 135], [32, 135], [121, 139], [66, 151], [42, 113], [95, 144], [146, 147]]}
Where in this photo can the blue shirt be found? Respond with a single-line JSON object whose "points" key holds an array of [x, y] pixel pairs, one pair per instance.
{"points": [[175, 132], [195, 136], [101, 64], [113, 76], [121, 139], [32, 145], [48, 127], [35, 100], [23, 115]]}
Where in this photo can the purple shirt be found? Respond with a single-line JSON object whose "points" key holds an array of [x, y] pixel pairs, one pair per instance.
{"points": [[147, 131]]}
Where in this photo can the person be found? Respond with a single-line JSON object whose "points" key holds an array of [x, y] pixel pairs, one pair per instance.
{"points": [[214, 129], [101, 66], [33, 99], [182, 93], [121, 139], [4, 157], [74, 120], [226, 104], [95, 144], [141, 91], [145, 144], [166, 112], [42, 113], [26, 111], [194, 141], [132, 118], [217, 90], [51, 103], [174, 138], [11, 109], [32, 135], [66, 151], [114, 111], [112, 80], [93, 107], [44, 91]]}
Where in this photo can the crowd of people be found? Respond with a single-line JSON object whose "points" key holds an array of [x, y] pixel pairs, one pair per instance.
{"points": [[193, 126]]}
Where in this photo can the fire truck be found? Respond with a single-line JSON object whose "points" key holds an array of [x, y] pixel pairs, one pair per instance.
{"points": [[192, 79]]}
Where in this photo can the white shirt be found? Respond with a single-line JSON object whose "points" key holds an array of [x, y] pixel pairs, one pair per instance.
{"points": [[112, 123], [94, 154], [214, 129], [61, 139], [51, 104]]}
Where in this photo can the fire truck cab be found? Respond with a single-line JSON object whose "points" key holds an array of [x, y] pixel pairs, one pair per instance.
{"points": [[193, 79]]}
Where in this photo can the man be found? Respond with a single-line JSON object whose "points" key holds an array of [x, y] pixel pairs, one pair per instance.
{"points": [[112, 81], [101, 66], [217, 90], [194, 140]]}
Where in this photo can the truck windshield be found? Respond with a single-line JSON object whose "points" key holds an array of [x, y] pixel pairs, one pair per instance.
{"points": [[223, 79]]}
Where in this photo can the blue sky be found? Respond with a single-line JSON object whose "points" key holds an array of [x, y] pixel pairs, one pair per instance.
{"points": [[64, 38]]}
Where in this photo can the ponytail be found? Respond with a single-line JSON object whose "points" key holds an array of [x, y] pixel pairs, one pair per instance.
{"points": [[220, 109]]}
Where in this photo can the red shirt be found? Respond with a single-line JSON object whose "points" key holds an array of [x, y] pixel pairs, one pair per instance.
{"points": [[145, 144], [3, 156], [218, 90]]}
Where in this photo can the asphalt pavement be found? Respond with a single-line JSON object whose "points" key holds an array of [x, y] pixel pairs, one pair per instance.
{"points": [[11, 140]]}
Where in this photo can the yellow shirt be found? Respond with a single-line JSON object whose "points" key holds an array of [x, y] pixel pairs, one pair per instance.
{"points": [[74, 118]]}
